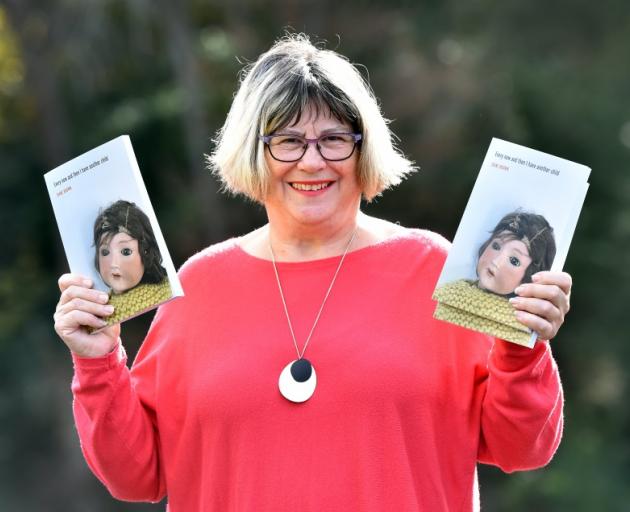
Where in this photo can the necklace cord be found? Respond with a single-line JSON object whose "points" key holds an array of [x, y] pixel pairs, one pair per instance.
{"points": [[321, 308]]}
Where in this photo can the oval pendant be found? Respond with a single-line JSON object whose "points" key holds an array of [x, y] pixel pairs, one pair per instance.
{"points": [[298, 380]]}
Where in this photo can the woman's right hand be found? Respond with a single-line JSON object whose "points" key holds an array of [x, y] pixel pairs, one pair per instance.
{"points": [[80, 307]]}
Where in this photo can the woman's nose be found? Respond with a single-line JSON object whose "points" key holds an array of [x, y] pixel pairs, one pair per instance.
{"points": [[312, 159]]}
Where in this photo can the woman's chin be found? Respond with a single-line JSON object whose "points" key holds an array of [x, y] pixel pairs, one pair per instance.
{"points": [[315, 214]]}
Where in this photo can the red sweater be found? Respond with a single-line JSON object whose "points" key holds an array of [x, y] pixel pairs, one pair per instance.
{"points": [[405, 405]]}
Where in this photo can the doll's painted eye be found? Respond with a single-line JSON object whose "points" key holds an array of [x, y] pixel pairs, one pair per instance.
{"points": [[104, 252], [126, 251], [514, 261], [496, 246]]}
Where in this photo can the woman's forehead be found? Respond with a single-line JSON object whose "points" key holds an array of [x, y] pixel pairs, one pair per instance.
{"points": [[317, 114]]}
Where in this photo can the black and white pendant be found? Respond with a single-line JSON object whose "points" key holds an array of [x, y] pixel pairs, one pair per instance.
{"points": [[298, 380]]}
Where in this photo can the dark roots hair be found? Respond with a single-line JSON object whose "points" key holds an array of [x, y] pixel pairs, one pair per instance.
{"points": [[126, 217], [534, 231]]}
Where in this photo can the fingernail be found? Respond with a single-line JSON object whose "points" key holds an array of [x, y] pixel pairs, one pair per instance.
{"points": [[103, 323], [103, 297], [518, 290], [87, 282], [109, 309], [535, 278], [513, 300]]}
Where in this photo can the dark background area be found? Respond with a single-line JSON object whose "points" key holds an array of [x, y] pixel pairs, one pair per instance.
{"points": [[451, 75]]}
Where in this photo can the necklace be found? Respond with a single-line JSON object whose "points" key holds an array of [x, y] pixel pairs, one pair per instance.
{"points": [[298, 380]]}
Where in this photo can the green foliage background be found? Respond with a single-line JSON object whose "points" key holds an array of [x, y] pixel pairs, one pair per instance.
{"points": [[550, 75]]}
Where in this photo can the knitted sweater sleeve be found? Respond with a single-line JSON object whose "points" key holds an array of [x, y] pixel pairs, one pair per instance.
{"points": [[521, 421], [115, 420]]}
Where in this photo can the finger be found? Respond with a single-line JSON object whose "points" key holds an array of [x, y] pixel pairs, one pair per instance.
{"points": [[88, 306], [113, 331], [560, 279], [68, 323], [67, 280], [542, 327], [548, 292], [539, 307], [89, 294]]}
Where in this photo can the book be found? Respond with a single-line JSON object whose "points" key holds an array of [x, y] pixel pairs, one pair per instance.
{"points": [[109, 230], [520, 219]]}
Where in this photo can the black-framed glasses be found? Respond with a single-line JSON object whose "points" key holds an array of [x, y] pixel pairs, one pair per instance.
{"points": [[331, 146]]}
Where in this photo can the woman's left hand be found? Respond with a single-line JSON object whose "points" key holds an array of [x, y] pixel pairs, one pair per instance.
{"points": [[542, 304]]}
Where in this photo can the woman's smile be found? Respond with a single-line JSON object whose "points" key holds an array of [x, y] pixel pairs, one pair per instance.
{"points": [[311, 187]]}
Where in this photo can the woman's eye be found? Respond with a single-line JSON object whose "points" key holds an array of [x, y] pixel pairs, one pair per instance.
{"points": [[126, 251], [287, 141], [514, 261], [104, 252], [496, 246]]}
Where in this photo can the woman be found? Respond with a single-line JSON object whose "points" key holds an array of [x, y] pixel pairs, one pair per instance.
{"points": [[303, 369]]}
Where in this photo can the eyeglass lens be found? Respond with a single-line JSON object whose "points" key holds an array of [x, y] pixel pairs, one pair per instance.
{"points": [[332, 146]]}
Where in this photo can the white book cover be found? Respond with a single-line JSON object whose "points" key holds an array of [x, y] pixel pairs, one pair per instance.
{"points": [[519, 219], [109, 230]]}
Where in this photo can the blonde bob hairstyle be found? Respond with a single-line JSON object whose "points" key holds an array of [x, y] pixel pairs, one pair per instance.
{"points": [[286, 82]]}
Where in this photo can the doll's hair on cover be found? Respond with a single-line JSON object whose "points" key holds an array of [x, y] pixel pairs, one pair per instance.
{"points": [[125, 217], [531, 229]]}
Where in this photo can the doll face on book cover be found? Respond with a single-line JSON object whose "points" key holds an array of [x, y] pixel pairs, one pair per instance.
{"points": [[127, 253], [119, 262], [502, 265], [520, 245]]}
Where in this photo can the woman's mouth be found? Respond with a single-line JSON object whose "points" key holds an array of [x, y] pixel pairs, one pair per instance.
{"points": [[310, 187]]}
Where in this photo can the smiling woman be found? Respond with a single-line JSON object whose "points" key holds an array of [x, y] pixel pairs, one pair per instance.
{"points": [[293, 80], [304, 353], [313, 189]]}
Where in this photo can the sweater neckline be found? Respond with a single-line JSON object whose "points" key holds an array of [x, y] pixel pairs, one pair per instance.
{"points": [[322, 262]]}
